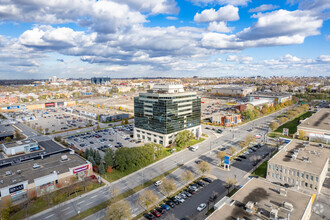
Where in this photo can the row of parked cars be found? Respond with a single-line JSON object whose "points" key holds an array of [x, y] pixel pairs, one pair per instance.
{"points": [[178, 199]]}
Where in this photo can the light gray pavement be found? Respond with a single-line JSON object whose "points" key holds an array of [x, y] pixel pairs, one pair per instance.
{"points": [[185, 156]]}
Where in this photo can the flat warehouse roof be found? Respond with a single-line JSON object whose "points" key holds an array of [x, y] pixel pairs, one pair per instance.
{"points": [[18, 143], [264, 197], [310, 158], [47, 166], [319, 120]]}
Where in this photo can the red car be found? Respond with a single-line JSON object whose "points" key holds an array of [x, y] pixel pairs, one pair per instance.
{"points": [[155, 213]]}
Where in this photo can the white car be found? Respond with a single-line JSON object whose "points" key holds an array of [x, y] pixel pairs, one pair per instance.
{"points": [[180, 199], [201, 207], [158, 183], [194, 148], [258, 136]]}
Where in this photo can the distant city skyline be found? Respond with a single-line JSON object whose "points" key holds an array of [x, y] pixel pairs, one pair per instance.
{"points": [[164, 38]]}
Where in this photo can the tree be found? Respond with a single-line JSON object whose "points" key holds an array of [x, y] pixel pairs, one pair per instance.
{"points": [[187, 176], [91, 159], [7, 139], [119, 211], [282, 120], [17, 135], [97, 157], [182, 137], [98, 127], [250, 138], [302, 134], [232, 150], [109, 158], [229, 183], [274, 125], [277, 107], [168, 186], [243, 144], [204, 167], [272, 109], [101, 169], [147, 198], [126, 121], [221, 156]]}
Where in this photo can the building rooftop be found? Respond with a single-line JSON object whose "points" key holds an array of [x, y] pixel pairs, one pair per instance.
{"points": [[47, 166], [167, 88], [308, 157], [258, 198], [270, 94], [19, 143], [232, 86], [319, 120]]}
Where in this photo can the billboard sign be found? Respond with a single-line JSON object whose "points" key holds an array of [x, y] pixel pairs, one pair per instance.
{"points": [[50, 104], [80, 169], [227, 160], [286, 131], [60, 104], [13, 107]]}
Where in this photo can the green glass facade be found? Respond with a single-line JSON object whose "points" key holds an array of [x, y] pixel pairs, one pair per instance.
{"points": [[163, 115]]}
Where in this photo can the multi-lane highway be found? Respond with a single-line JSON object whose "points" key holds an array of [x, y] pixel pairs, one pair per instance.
{"points": [[230, 137]]}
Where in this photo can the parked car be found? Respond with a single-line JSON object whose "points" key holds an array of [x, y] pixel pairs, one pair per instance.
{"points": [[149, 216], [155, 213], [201, 207], [188, 194], [165, 206], [208, 180], [198, 161], [200, 183], [242, 156], [161, 210], [179, 198], [170, 203], [237, 159]]}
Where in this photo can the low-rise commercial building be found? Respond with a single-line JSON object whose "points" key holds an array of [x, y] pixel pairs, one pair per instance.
{"points": [[37, 177], [317, 127], [302, 165], [8, 99], [19, 147], [109, 118], [226, 119], [6, 131], [259, 199], [232, 90], [276, 98]]}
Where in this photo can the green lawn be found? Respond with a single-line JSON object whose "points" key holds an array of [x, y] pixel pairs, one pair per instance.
{"points": [[116, 174], [292, 125], [189, 143], [261, 170]]}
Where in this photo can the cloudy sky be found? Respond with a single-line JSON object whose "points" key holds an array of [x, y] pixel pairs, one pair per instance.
{"points": [[139, 38]]}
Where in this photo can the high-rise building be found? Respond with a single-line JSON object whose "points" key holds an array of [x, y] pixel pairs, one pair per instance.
{"points": [[100, 80], [164, 111]]}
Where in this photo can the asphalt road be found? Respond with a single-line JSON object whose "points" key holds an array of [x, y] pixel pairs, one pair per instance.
{"points": [[230, 137]]}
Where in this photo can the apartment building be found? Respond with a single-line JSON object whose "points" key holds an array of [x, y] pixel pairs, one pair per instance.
{"points": [[164, 111], [299, 164]]}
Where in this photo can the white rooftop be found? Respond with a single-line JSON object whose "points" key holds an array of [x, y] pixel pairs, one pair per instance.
{"points": [[168, 88]]}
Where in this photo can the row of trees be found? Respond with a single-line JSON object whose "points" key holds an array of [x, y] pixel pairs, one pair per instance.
{"points": [[289, 116]]}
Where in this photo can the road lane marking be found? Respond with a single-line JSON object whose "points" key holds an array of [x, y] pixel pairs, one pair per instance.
{"points": [[49, 216], [80, 202], [89, 203], [66, 208], [94, 196]]}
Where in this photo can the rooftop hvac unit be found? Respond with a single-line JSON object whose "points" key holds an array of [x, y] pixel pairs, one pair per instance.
{"points": [[19, 171], [14, 181], [64, 157], [8, 173], [273, 214], [35, 166], [283, 192], [288, 206], [1, 181]]}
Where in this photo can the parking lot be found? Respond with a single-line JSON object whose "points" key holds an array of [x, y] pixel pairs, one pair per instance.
{"points": [[52, 120], [114, 138]]}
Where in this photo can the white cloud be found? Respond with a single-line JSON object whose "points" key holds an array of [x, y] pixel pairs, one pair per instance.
{"points": [[290, 58], [221, 2], [264, 7], [241, 59], [324, 58], [226, 13], [171, 18], [219, 27], [327, 38]]}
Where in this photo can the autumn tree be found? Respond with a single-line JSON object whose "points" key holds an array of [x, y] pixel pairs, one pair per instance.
{"points": [[204, 167], [147, 199], [168, 186], [282, 120], [119, 211], [229, 183], [302, 134], [221, 156], [187, 176], [274, 125], [232, 150]]}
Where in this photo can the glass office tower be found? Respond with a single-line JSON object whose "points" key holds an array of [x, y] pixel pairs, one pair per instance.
{"points": [[164, 111]]}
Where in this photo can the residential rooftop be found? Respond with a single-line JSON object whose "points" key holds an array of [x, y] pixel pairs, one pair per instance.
{"points": [[320, 120], [47, 166], [258, 198], [307, 157]]}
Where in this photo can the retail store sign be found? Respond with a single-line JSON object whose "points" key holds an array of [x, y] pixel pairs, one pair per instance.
{"points": [[80, 169], [16, 188]]}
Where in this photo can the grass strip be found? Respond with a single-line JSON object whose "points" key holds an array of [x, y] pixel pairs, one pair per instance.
{"points": [[124, 195]]}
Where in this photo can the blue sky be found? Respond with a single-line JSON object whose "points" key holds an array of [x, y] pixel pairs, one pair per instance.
{"points": [[137, 38]]}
